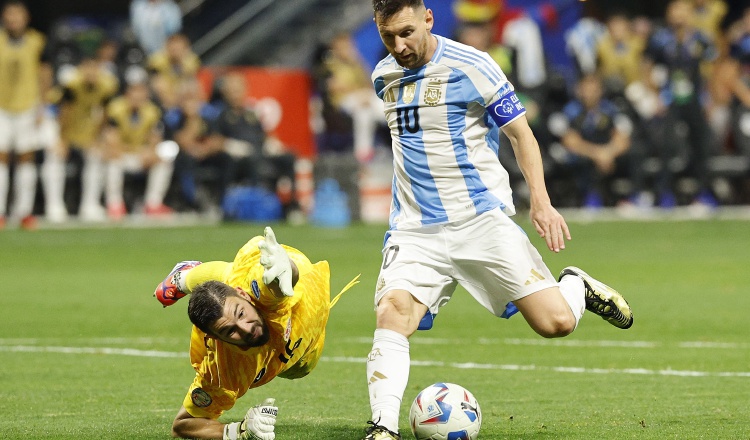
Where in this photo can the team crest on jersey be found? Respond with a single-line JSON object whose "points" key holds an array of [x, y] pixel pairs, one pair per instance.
{"points": [[288, 331], [200, 398], [255, 289], [410, 90], [433, 93]]}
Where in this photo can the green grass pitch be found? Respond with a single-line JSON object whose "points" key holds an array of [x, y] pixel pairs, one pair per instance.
{"points": [[87, 353]]}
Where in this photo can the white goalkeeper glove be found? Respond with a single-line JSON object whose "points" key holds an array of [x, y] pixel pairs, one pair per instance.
{"points": [[276, 263], [258, 424]]}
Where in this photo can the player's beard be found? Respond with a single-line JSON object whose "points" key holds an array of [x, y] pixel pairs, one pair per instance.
{"points": [[251, 340]]}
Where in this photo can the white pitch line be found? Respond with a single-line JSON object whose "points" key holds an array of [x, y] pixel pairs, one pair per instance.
{"points": [[416, 363], [420, 340], [93, 350], [579, 370]]}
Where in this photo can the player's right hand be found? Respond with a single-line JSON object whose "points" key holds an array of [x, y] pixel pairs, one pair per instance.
{"points": [[259, 422], [168, 292]]}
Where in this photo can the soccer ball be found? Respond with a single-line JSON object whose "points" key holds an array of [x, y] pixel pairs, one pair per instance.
{"points": [[445, 411]]}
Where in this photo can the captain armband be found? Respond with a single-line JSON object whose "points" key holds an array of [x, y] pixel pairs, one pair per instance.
{"points": [[506, 109]]}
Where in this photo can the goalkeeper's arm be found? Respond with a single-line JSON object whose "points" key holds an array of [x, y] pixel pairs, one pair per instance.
{"points": [[258, 424]]}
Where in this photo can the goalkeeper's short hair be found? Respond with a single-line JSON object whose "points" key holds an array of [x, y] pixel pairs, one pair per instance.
{"points": [[206, 304]]}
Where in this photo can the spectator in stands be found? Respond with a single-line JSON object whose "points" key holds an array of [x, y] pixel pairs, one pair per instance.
{"points": [[106, 56], [25, 76], [153, 21], [131, 138], [480, 35], [260, 159], [334, 135], [350, 90], [597, 134], [519, 29], [676, 53], [176, 61], [81, 117], [739, 82], [708, 15], [203, 168], [619, 53]]}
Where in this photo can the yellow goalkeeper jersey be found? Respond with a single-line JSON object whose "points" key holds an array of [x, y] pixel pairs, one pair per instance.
{"points": [[224, 372]]}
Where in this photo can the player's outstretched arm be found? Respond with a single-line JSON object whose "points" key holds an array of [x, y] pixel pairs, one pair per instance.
{"points": [[281, 274], [258, 424], [548, 222], [173, 287]]}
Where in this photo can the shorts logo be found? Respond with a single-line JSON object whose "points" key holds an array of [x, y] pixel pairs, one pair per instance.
{"points": [[381, 284], [433, 93], [255, 289], [534, 277], [410, 90], [200, 398]]}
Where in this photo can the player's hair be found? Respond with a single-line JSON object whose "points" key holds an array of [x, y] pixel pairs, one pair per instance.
{"points": [[385, 9], [16, 3], [206, 304]]}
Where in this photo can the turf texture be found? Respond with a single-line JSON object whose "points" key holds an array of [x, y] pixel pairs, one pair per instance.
{"points": [[87, 353]]}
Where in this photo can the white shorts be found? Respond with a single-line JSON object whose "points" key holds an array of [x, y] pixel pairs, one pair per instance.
{"points": [[489, 255], [18, 132]]}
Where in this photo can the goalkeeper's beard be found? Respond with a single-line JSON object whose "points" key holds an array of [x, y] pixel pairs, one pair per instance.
{"points": [[252, 340]]}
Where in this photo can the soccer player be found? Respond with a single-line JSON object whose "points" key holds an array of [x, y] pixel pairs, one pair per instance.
{"points": [[259, 317], [23, 79], [131, 138], [84, 95], [445, 104]]}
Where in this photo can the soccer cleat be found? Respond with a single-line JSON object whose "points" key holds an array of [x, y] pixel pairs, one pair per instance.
{"points": [[29, 223], [378, 432], [167, 292], [159, 210], [602, 299], [116, 211]]}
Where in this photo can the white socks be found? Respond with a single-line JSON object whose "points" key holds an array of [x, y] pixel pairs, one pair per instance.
{"points": [[53, 179], [24, 186], [115, 182], [91, 181], [159, 178], [4, 181], [387, 376], [573, 291]]}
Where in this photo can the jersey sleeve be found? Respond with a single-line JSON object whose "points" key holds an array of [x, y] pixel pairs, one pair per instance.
{"points": [[208, 271], [206, 398], [491, 89]]}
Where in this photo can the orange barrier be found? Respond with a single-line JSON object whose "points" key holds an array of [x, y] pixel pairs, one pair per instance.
{"points": [[281, 97]]}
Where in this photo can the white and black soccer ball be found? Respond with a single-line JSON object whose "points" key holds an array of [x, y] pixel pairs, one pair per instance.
{"points": [[445, 411]]}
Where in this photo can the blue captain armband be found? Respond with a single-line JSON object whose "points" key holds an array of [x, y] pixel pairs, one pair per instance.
{"points": [[506, 109]]}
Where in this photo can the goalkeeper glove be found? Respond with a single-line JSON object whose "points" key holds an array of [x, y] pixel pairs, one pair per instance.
{"points": [[258, 423], [276, 263], [171, 289]]}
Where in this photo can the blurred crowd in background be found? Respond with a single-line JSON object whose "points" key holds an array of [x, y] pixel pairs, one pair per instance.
{"points": [[656, 116]]}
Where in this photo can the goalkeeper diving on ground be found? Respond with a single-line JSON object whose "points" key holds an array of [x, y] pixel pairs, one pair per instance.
{"points": [[259, 317]]}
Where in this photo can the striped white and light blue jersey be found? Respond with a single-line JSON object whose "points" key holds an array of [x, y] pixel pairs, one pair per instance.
{"points": [[445, 143]]}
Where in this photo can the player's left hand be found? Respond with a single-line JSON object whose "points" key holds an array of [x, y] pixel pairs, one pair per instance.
{"points": [[276, 263], [550, 225], [259, 422]]}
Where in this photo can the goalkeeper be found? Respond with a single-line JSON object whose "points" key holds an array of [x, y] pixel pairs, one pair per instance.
{"points": [[259, 317]]}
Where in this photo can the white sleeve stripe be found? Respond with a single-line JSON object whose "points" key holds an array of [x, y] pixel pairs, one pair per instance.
{"points": [[488, 69]]}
